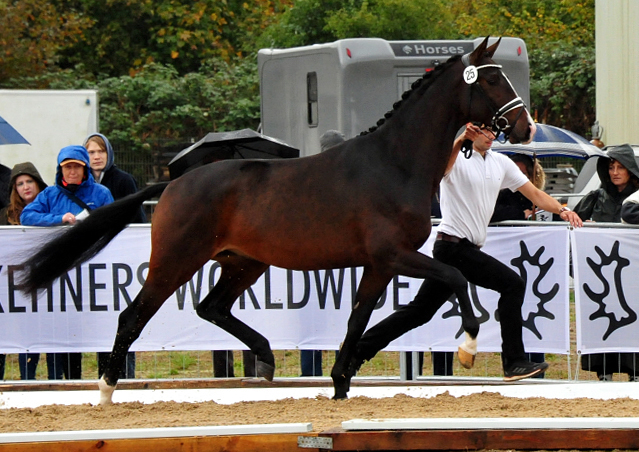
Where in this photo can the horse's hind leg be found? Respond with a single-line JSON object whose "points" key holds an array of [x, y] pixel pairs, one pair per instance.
{"points": [[166, 275], [370, 288], [131, 322], [417, 265], [238, 274]]}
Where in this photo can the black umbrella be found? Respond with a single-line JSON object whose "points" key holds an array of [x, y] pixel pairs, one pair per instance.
{"points": [[238, 144]]}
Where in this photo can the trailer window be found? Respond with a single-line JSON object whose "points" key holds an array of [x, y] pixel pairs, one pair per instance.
{"points": [[311, 99]]}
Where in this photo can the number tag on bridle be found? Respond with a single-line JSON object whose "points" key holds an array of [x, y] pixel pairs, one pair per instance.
{"points": [[470, 74]]}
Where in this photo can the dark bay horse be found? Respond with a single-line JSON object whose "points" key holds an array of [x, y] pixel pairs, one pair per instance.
{"points": [[364, 203]]}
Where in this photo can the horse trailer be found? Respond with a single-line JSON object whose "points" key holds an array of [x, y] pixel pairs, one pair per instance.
{"points": [[348, 85]]}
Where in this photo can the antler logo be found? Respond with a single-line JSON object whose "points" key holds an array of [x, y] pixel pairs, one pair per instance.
{"points": [[544, 268], [454, 311], [599, 298], [533, 260]]}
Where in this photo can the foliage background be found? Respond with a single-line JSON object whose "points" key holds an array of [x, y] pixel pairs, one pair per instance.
{"points": [[176, 70]]}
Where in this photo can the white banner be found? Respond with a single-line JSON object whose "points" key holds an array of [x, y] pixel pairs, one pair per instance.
{"points": [[306, 310], [606, 266]]}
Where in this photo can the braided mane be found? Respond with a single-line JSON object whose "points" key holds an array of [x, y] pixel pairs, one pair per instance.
{"points": [[426, 80]]}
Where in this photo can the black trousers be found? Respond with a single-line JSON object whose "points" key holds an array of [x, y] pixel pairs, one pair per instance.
{"points": [[480, 269], [68, 365], [223, 364]]}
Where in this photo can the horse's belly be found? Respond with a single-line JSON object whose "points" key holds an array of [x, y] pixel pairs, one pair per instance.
{"points": [[304, 253]]}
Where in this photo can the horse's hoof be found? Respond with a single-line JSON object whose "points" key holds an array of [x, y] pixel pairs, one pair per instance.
{"points": [[106, 392], [340, 396], [467, 360], [342, 385], [265, 370], [467, 352]]}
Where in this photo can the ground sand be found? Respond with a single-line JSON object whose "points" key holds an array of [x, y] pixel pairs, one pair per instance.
{"points": [[322, 412]]}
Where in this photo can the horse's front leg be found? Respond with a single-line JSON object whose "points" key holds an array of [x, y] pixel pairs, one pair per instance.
{"points": [[258, 344], [370, 289], [238, 274]]}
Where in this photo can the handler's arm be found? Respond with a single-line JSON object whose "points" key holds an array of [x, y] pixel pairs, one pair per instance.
{"points": [[470, 133], [549, 204]]}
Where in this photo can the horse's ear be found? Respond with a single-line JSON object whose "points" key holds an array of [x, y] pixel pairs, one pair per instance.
{"points": [[478, 53], [490, 51]]}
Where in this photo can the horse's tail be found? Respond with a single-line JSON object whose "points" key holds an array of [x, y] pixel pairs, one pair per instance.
{"points": [[82, 241]]}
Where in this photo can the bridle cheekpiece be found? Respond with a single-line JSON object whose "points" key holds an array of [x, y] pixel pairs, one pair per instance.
{"points": [[499, 123]]}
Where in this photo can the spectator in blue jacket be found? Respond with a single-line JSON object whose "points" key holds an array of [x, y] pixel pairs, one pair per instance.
{"points": [[71, 199], [73, 196]]}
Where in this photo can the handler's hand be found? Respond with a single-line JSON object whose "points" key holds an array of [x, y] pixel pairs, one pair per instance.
{"points": [[572, 217], [472, 132], [68, 218]]}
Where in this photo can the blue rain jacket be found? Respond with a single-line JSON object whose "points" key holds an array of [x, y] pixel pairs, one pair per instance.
{"points": [[52, 203]]}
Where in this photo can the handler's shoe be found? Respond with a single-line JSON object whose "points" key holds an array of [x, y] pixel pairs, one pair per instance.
{"points": [[523, 369]]}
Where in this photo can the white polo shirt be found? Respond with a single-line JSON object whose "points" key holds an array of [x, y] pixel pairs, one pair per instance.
{"points": [[469, 193]]}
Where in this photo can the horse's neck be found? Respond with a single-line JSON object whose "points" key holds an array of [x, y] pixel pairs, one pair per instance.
{"points": [[421, 133]]}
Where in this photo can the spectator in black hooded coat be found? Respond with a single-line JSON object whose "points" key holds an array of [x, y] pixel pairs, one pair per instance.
{"points": [[619, 175], [120, 184], [5, 181]]}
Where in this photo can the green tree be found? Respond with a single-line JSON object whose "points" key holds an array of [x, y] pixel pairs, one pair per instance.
{"points": [[166, 69], [312, 21], [303, 23], [394, 20], [538, 22], [158, 104], [32, 33], [562, 86], [126, 34]]}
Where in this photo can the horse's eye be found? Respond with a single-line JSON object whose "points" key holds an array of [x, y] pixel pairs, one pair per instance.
{"points": [[493, 80]]}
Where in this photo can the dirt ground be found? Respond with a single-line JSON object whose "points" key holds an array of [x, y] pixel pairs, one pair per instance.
{"points": [[322, 412]]}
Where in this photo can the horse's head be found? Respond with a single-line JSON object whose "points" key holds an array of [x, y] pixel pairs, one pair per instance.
{"points": [[492, 99]]}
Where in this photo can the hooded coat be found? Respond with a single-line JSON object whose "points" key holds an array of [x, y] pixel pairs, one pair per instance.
{"points": [[20, 169], [5, 175], [604, 204], [119, 182], [52, 203]]}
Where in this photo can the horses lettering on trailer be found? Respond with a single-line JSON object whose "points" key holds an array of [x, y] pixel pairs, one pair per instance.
{"points": [[419, 49]]}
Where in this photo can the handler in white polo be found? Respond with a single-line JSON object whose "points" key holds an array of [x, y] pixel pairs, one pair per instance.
{"points": [[469, 192]]}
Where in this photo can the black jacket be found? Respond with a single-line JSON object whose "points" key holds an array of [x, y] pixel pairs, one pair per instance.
{"points": [[5, 189], [510, 206], [119, 183], [122, 184], [604, 204]]}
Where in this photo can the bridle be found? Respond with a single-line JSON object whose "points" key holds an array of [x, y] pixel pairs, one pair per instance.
{"points": [[499, 123]]}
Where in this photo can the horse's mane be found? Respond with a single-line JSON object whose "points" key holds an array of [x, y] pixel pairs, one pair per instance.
{"points": [[423, 82]]}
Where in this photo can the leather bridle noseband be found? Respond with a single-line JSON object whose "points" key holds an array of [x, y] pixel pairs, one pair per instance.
{"points": [[499, 123]]}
